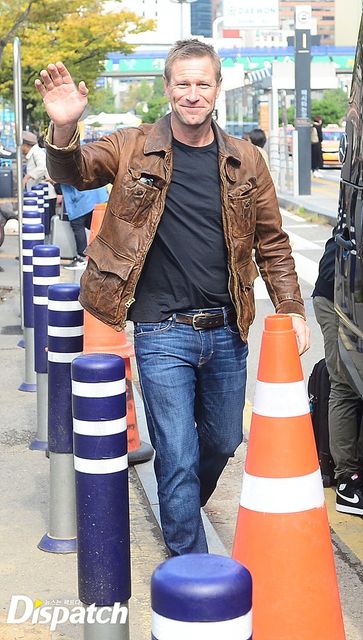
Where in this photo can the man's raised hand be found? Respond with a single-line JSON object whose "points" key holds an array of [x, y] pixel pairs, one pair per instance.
{"points": [[63, 101]]}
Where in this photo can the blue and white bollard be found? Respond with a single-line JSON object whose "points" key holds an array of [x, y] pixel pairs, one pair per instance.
{"points": [[45, 186], [65, 342], [32, 234], [38, 189], [102, 498], [30, 216], [46, 271], [201, 596]]}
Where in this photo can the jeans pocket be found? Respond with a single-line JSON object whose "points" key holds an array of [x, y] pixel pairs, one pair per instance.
{"points": [[151, 328], [233, 328]]}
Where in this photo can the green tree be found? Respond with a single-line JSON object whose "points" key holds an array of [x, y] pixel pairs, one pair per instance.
{"points": [[137, 97], [102, 100], [77, 32], [158, 103], [332, 108]]}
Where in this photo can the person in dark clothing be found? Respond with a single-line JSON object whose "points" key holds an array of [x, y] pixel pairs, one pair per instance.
{"points": [[345, 406], [316, 140]]}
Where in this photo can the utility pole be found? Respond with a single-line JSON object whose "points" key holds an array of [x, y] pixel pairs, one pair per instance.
{"points": [[303, 96]]}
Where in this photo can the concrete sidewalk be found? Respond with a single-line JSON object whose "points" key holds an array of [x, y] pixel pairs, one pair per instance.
{"points": [[24, 499], [24, 505], [323, 200]]}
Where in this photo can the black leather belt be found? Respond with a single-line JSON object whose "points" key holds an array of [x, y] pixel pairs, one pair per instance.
{"points": [[205, 320]]}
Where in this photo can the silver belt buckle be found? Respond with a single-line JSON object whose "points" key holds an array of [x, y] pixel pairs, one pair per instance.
{"points": [[197, 315]]}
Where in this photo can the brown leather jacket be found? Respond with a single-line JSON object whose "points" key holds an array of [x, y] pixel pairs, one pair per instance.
{"points": [[250, 213]]}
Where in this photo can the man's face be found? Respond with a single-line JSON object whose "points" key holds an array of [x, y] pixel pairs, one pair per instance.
{"points": [[192, 90]]}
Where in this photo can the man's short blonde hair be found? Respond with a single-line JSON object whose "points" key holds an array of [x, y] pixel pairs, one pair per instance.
{"points": [[192, 48]]}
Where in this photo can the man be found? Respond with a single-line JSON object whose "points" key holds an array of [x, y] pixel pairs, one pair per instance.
{"points": [[174, 255]]}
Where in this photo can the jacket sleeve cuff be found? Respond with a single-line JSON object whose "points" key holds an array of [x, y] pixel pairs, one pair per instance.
{"points": [[293, 307], [73, 143]]}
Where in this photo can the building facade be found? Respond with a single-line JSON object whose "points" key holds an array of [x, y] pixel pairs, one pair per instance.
{"points": [[202, 18]]}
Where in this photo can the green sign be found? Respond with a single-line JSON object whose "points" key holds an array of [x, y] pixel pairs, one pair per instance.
{"points": [[250, 63]]}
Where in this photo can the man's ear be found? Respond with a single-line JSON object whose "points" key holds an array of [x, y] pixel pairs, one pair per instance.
{"points": [[166, 86]]}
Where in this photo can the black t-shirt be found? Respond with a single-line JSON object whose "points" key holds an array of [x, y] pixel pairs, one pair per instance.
{"points": [[186, 267]]}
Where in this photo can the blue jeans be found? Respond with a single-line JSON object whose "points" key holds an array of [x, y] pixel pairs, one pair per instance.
{"points": [[193, 384]]}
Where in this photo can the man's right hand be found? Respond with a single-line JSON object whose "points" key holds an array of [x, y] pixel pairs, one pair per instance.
{"points": [[63, 101]]}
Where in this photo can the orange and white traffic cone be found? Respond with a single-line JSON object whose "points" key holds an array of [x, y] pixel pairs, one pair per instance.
{"points": [[282, 534], [100, 338]]}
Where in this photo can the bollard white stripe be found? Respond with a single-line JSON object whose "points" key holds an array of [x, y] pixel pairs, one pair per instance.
{"points": [[281, 399], [48, 280], [68, 332], [282, 495], [28, 268], [235, 629], [100, 428], [27, 252], [46, 260], [65, 305], [98, 389], [54, 356], [32, 236], [111, 465], [32, 220], [40, 300]]}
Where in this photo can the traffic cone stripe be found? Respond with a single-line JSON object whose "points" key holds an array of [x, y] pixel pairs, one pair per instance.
{"points": [[280, 399], [98, 389], [236, 629], [282, 495], [55, 356], [64, 305], [110, 465], [103, 428], [65, 332]]}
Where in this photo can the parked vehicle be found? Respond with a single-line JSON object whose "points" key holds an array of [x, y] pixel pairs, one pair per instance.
{"points": [[349, 258], [330, 145]]}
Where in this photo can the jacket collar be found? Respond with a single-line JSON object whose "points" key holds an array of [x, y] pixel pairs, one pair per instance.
{"points": [[159, 138]]}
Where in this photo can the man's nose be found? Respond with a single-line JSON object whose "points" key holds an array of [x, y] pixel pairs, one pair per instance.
{"points": [[193, 95]]}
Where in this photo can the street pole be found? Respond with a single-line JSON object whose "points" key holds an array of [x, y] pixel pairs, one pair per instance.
{"points": [[19, 158], [303, 95], [182, 3]]}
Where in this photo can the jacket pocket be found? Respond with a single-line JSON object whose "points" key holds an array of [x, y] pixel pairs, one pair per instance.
{"points": [[242, 208], [104, 281], [246, 277], [138, 194]]}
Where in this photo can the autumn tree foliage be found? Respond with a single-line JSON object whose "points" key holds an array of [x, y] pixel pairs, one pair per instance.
{"points": [[78, 32]]}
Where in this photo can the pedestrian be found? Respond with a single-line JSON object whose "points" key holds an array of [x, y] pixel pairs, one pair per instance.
{"points": [[345, 405], [258, 138], [79, 205], [36, 169], [316, 140], [188, 206]]}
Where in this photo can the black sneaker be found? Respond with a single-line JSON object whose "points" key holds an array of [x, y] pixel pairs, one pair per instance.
{"points": [[349, 495], [79, 262]]}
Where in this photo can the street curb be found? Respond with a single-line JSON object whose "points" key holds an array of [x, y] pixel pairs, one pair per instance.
{"points": [[145, 472], [289, 203]]}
